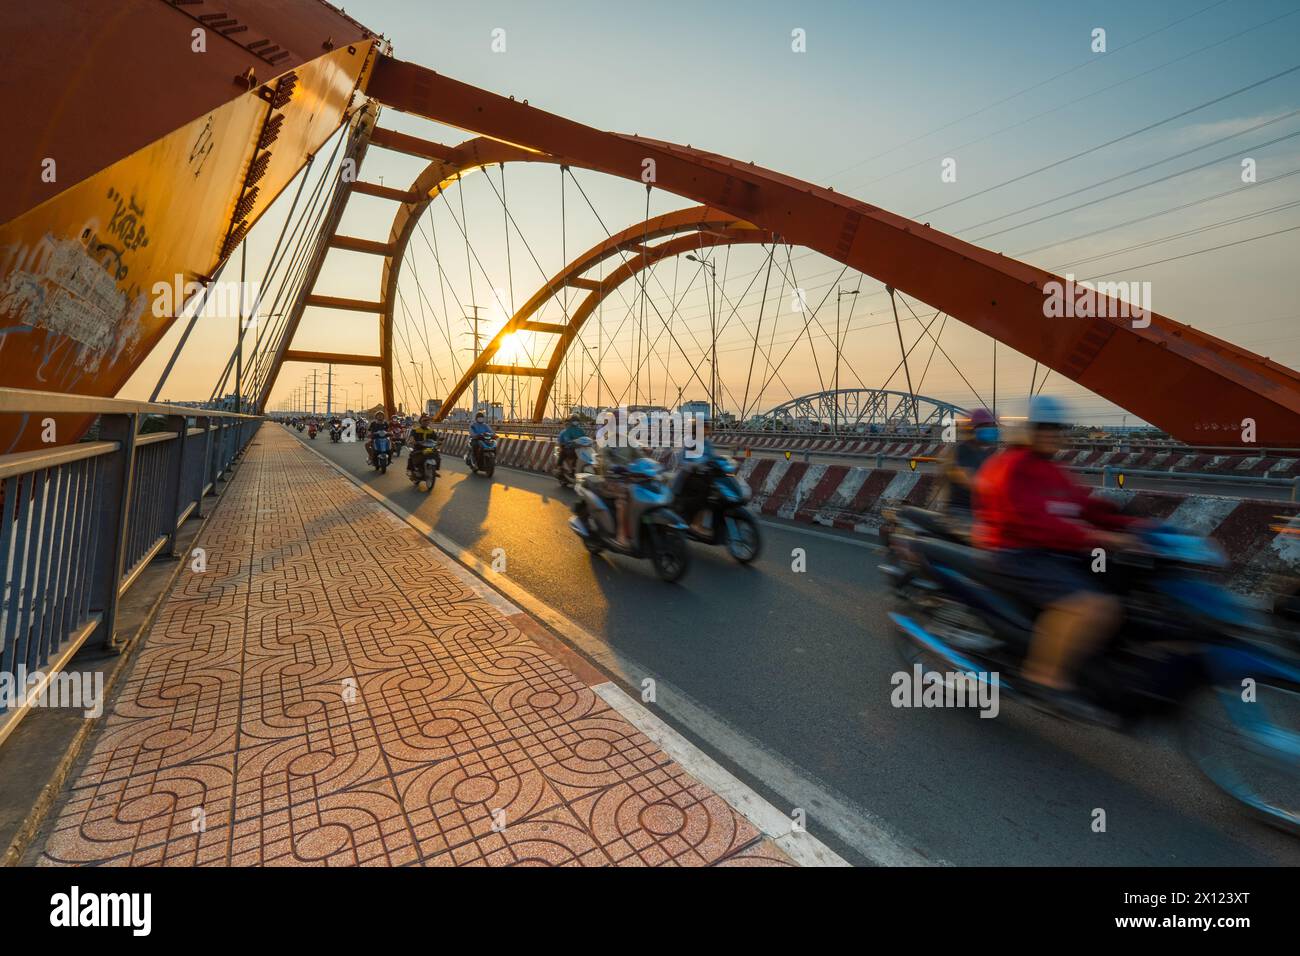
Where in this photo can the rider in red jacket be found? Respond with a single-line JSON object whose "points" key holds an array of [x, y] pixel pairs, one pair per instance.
{"points": [[1026, 500], [1047, 534]]}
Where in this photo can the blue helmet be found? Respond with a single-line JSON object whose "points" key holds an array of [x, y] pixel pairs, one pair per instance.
{"points": [[1048, 410]]}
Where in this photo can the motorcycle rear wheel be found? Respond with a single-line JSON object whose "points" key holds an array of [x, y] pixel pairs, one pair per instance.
{"points": [[946, 619]]}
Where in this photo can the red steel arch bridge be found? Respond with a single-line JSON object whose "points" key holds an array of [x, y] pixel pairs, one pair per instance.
{"points": [[151, 186]]}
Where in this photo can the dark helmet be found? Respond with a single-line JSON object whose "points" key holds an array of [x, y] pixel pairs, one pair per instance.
{"points": [[982, 418]]}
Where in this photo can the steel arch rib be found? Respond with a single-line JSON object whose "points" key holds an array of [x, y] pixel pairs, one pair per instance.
{"points": [[470, 155], [734, 235], [1166, 372], [704, 228]]}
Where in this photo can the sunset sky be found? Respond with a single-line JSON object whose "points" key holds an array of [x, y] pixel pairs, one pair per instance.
{"points": [[883, 94]]}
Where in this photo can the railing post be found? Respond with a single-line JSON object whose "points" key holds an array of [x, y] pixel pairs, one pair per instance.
{"points": [[209, 458], [1108, 477], [114, 513], [172, 508], [218, 452]]}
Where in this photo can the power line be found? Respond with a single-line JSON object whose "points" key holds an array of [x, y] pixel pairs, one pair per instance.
{"points": [[1029, 89], [1118, 139]]}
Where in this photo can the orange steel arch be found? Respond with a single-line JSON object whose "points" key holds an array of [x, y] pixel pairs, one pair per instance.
{"points": [[441, 172], [1194, 385], [447, 165], [704, 227]]}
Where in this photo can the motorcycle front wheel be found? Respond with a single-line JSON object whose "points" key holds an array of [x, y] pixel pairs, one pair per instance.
{"points": [[743, 540], [489, 467], [669, 553], [1246, 741]]}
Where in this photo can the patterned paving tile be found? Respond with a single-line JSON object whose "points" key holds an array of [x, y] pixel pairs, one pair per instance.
{"points": [[126, 817], [663, 817], [327, 693]]}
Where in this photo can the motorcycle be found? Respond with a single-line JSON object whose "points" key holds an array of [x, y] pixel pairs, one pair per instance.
{"points": [[710, 494], [660, 534], [567, 467], [299, 426], [423, 465], [1188, 648], [482, 455], [311, 432], [336, 433], [399, 441], [381, 454]]}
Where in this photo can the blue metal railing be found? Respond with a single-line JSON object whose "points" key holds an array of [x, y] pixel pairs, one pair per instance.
{"points": [[79, 523]]}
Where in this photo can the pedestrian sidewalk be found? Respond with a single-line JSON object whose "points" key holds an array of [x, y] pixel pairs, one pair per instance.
{"points": [[332, 690]]}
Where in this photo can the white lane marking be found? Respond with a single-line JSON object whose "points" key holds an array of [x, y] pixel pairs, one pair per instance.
{"points": [[851, 823]]}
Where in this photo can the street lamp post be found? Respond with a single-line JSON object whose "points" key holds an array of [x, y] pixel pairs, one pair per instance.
{"points": [[418, 385], [835, 391], [713, 336]]}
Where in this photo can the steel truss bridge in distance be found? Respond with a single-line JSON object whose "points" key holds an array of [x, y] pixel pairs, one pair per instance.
{"points": [[860, 411]]}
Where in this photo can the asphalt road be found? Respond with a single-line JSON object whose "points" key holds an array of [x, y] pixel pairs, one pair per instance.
{"points": [[785, 678]]}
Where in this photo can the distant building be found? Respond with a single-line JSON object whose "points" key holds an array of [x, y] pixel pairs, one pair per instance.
{"points": [[694, 409], [433, 406]]}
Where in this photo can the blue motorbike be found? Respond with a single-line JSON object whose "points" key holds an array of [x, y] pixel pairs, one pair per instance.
{"points": [[1188, 648], [381, 455], [714, 500], [481, 456]]}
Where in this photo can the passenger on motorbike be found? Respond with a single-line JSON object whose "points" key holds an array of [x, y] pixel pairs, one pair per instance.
{"points": [[611, 466], [978, 443], [684, 463], [1043, 527], [423, 432], [379, 424], [572, 432], [479, 429]]}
